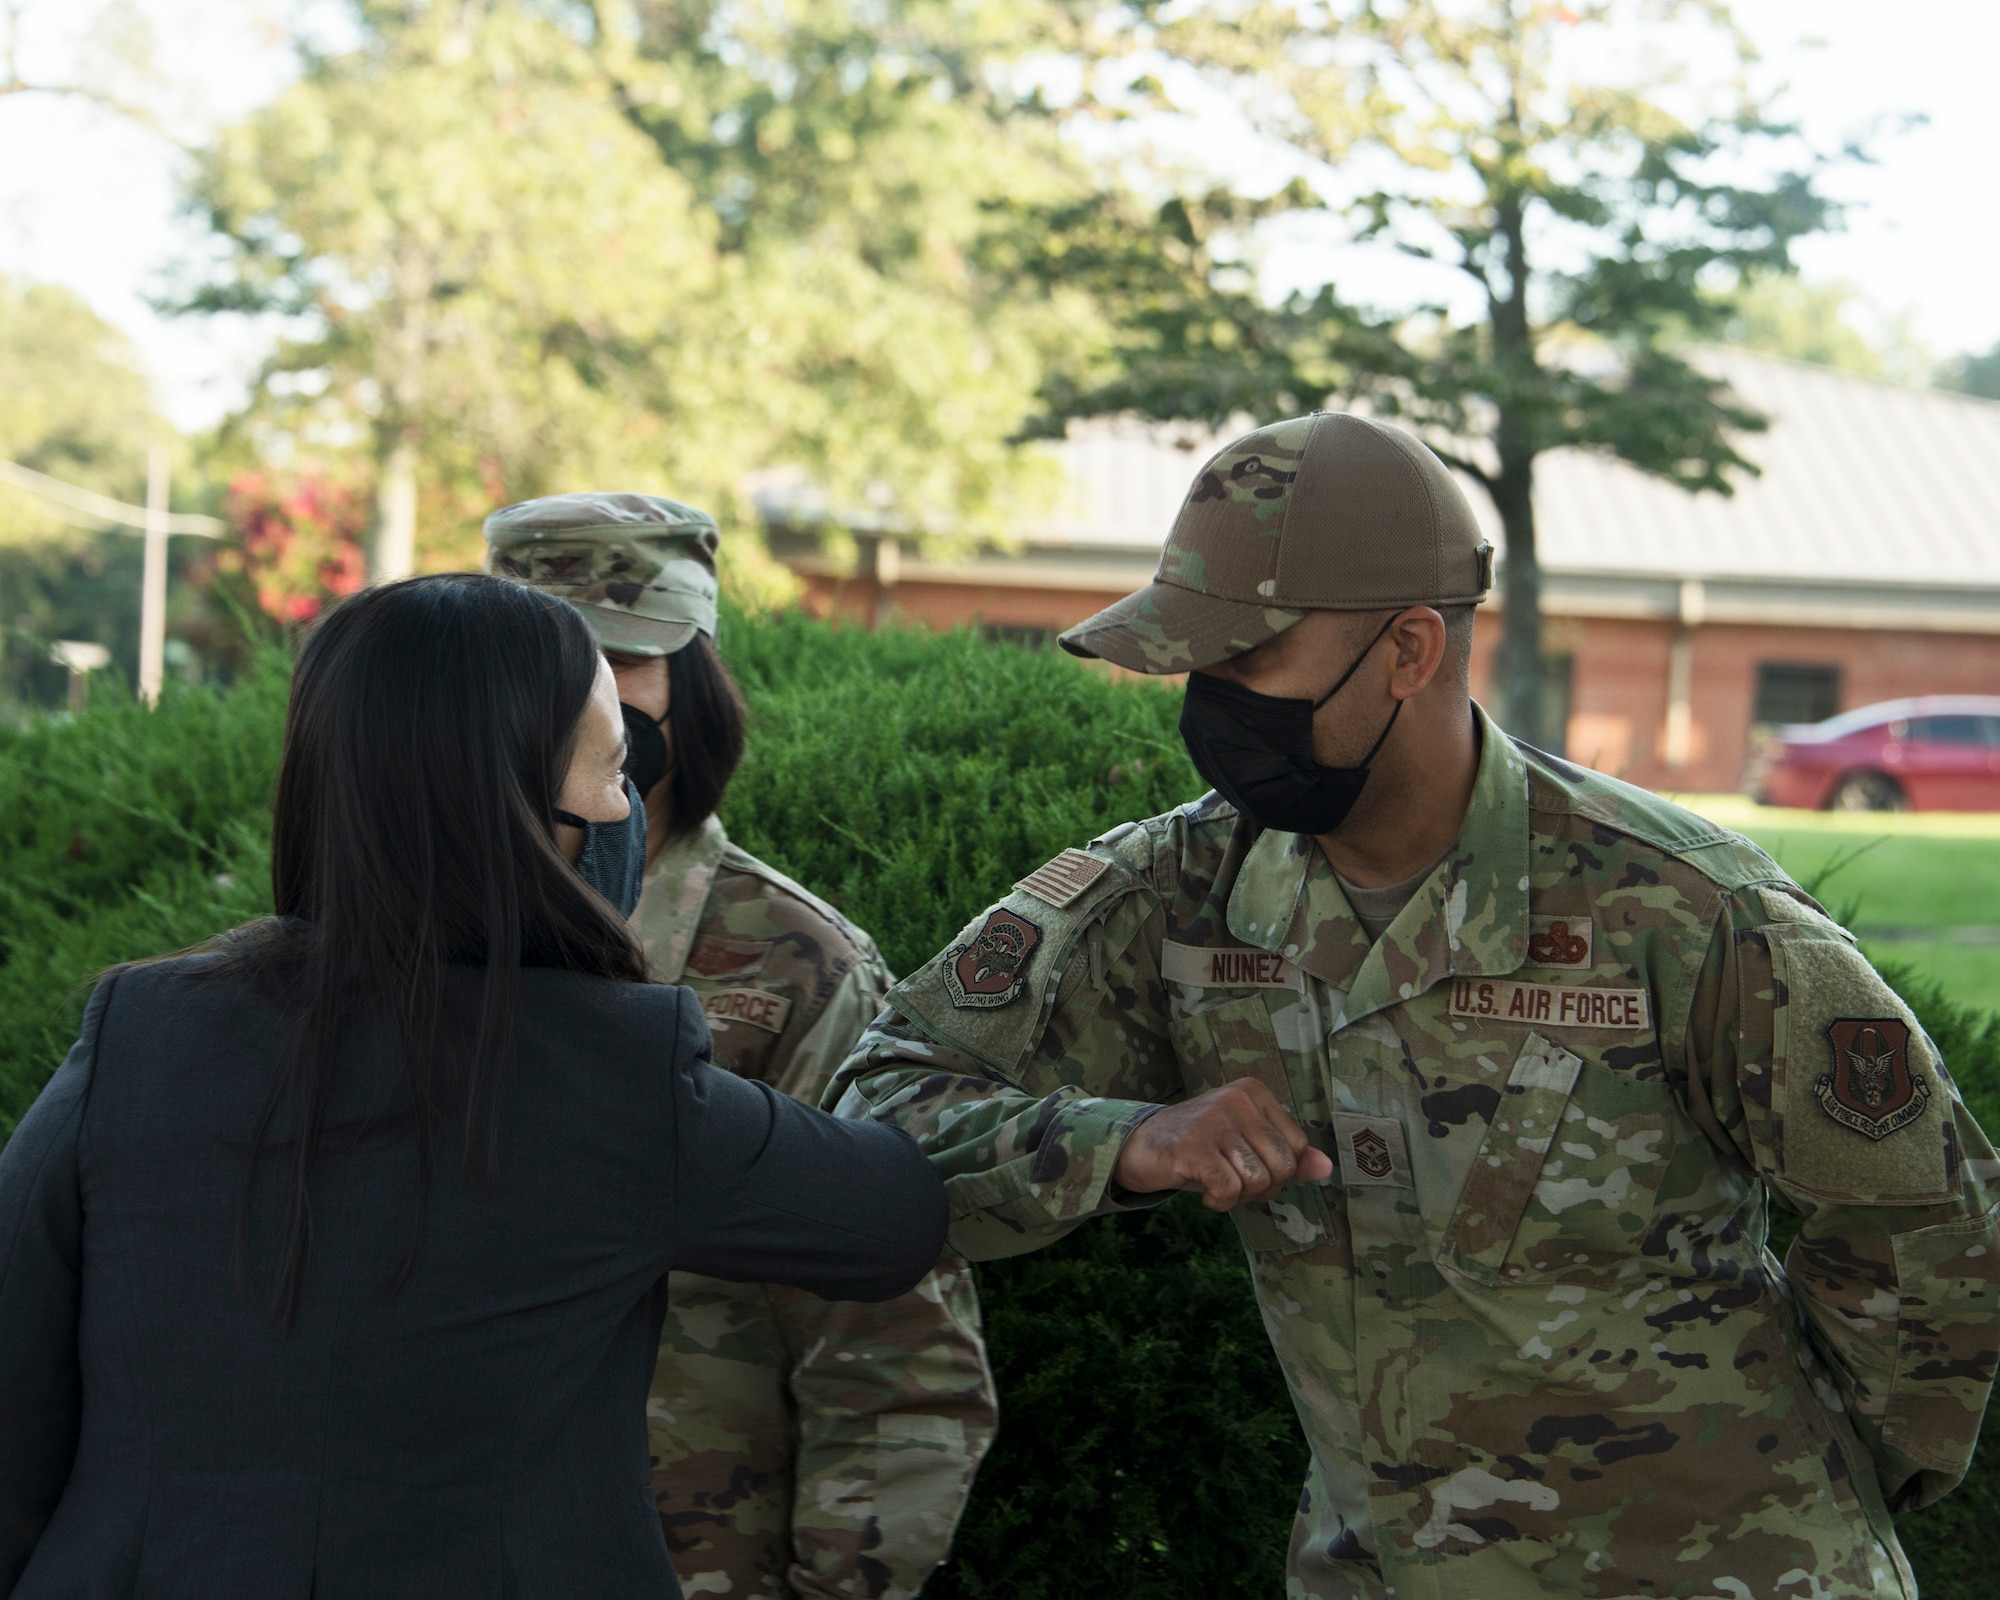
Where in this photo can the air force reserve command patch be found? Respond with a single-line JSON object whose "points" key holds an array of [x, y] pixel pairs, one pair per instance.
{"points": [[1871, 1088], [991, 968]]}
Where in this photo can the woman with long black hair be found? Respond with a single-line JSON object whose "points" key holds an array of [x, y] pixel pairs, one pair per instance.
{"points": [[803, 1448], [331, 1258]]}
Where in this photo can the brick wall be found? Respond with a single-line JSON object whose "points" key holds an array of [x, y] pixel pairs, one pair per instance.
{"points": [[1620, 669], [1620, 673]]}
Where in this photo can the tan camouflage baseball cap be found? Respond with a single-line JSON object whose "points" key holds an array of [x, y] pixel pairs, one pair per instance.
{"points": [[641, 568], [1330, 512]]}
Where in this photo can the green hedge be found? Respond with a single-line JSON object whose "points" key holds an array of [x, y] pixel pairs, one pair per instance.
{"points": [[1148, 1448]]}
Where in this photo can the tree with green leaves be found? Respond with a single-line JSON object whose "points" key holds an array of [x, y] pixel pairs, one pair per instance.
{"points": [[75, 405], [1571, 222], [508, 267], [109, 56], [1827, 324], [883, 163], [1975, 374], [487, 282]]}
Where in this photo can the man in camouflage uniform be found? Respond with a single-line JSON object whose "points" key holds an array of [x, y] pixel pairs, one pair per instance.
{"points": [[800, 1447], [1495, 1065]]}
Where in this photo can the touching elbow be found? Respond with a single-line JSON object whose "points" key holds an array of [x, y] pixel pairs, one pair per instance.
{"points": [[923, 1216]]}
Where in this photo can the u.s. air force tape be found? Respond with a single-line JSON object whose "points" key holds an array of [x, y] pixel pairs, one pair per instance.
{"points": [[1552, 1005], [758, 1007], [1228, 968]]}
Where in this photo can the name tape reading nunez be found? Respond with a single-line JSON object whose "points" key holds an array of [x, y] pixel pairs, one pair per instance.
{"points": [[1237, 968]]}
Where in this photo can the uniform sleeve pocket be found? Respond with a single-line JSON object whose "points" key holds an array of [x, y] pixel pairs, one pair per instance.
{"points": [[1234, 1040], [1947, 1283], [922, 1470], [1496, 1191]]}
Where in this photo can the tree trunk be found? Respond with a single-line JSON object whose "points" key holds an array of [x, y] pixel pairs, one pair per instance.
{"points": [[1518, 671], [1519, 663], [395, 553]]}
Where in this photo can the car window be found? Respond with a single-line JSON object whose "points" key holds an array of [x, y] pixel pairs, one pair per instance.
{"points": [[1949, 730]]}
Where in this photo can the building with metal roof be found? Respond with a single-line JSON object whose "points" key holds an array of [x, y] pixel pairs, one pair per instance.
{"points": [[1862, 563]]}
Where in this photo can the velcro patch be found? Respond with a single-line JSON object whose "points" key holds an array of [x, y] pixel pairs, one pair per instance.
{"points": [[1234, 967], [1551, 1005], [991, 968], [1372, 1152], [561, 564], [1559, 941], [1060, 881], [758, 1007], [1835, 1112], [715, 957]]}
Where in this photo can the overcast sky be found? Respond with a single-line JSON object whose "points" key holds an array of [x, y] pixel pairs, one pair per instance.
{"points": [[89, 201]]}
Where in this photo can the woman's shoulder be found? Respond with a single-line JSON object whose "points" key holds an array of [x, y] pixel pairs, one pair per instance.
{"points": [[586, 991], [214, 973], [596, 1013]]}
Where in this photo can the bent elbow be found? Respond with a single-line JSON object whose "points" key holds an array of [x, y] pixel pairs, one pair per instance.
{"points": [[923, 1218]]}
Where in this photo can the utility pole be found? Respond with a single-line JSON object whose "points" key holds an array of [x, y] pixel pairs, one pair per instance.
{"points": [[153, 589], [89, 509]]}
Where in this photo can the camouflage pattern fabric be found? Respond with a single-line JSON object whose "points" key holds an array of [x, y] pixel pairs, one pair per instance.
{"points": [[1534, 1336], [641, 567], [801, 1447], [1326, 511]]}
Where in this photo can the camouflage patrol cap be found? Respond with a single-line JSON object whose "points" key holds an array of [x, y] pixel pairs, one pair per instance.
{"points": [[1330, 512], [641, 568]]}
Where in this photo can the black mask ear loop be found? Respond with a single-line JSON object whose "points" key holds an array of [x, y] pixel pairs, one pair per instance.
{"points": [[1350, 672], [1373, 750]]}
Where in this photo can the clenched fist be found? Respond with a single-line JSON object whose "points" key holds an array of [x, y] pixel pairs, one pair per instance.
{"points": [[1235, 1144]]}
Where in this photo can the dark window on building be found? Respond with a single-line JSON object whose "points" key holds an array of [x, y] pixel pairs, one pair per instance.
{"points": [[1789, 692], [1949, 730], [1558, 671]]}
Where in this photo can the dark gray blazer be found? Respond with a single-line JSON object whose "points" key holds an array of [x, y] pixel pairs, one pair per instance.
{"points": [[480, 1434]]}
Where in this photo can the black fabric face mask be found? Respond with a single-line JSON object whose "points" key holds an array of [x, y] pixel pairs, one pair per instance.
{"points": [[645, 748], [1256, 750], [614, 853]]}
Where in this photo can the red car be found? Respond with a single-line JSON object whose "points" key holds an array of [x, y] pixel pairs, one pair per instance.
{"points": [[1935, 753]]}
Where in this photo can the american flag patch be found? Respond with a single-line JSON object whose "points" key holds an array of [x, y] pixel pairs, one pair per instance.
{"points": [[1064, 878]]}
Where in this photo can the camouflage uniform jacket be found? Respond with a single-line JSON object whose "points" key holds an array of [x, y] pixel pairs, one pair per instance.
{"points": [[1533, 1333], [801, 1446]]}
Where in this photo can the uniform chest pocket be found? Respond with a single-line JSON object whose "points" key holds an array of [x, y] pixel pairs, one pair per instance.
{"points": [[1565, 1185], [1231, 1039]]}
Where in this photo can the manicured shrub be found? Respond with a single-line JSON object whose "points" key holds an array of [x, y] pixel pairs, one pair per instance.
{"points": [[125, 833], [1148, 1449]]}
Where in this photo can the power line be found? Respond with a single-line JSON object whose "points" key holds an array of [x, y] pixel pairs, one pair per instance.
{"points": [[102, 509]]}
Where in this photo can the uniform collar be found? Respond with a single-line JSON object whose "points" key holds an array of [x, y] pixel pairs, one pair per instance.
{"points": [[672, 898], [1468, 918]]}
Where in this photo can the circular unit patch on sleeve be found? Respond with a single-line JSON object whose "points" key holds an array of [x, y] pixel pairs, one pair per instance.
{"points": [[990, 969], [1870, 1087]]}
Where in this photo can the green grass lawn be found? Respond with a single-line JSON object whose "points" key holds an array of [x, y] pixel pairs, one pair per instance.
{"points": [[1891, 878]]}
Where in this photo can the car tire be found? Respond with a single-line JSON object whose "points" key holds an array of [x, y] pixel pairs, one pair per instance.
{"points": [[1868, 791]]}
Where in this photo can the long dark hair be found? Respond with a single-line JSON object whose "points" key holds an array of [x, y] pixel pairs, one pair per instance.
{"points": [[431, 725], [706, 717]]}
